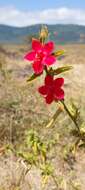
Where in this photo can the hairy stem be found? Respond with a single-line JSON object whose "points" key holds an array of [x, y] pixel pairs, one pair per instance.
{"points": [[71, 116]]}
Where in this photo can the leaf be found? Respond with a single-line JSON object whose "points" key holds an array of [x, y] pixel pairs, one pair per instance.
{"points": [[47, 169], [44, 181], [59, 53], [53, 119], [35, 148], [32, 77], [60, 70], [82, 145], [29, 157]]}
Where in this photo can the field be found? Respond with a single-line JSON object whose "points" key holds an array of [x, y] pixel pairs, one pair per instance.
{"points": [[22, 110]]}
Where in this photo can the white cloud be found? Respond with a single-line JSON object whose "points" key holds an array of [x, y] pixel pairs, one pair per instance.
{"points": [[12, 16]]}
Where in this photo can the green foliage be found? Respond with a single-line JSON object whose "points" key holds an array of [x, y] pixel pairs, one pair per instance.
{"points": [[32, 77], [30, 158], [82, 129], [37, 149], [47, 169], [60, 70], [51, 71], [75, 111], [59, 54], [35, 143]]}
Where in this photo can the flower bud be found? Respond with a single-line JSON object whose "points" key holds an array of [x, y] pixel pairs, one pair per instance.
{"points": [[43, 33]]}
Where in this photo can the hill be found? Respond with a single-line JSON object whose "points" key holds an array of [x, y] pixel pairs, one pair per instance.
{"points": [[59, 33]]}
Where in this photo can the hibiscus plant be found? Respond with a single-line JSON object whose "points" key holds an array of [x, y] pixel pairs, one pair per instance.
{"points": [[43, 57]]}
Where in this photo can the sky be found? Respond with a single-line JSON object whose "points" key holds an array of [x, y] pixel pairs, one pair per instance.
{"points": [[27, 12]]}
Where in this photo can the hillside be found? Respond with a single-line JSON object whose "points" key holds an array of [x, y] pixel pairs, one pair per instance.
{"points": [[58, 33]]}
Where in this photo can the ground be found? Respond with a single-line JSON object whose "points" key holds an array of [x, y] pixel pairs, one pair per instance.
{"points": [[23, 109]]}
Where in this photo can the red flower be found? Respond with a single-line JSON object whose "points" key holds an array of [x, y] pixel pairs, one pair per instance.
{"points": [[41, 55], [52, 90]]}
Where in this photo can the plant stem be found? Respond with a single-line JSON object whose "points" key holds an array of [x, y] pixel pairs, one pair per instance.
{"points": [[71, 116], [55, 181], [46, 70]]}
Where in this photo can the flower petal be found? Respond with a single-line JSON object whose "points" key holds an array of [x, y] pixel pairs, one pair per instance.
{"points": [[49, 47], [49, 98], [36, 45], [49, 60], [38, 67], [48, 80], [58, 82], [30, 56], [42, 90], [59, 95]]}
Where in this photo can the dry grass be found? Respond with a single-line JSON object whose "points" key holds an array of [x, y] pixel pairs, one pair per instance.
{"points": [[22, 108]]}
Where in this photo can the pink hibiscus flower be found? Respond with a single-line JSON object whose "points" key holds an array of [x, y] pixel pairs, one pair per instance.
{"points": [[52, 90], [41, 55]]}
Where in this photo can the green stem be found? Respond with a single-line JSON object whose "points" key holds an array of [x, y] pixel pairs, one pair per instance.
{"points": [[71, 116], [46, 70]]}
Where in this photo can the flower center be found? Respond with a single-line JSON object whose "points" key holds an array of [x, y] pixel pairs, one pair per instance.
{"points": [[40, 56], [51, 88]]}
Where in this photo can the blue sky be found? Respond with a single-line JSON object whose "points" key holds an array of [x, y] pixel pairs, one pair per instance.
{"points": [[43, 4], [28, 12]]}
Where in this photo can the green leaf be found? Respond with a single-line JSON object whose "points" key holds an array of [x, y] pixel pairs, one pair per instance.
{"points": [[53, 119], [47, 169], [59, 53], [29, 157], [32, 77], [60, 70]]}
